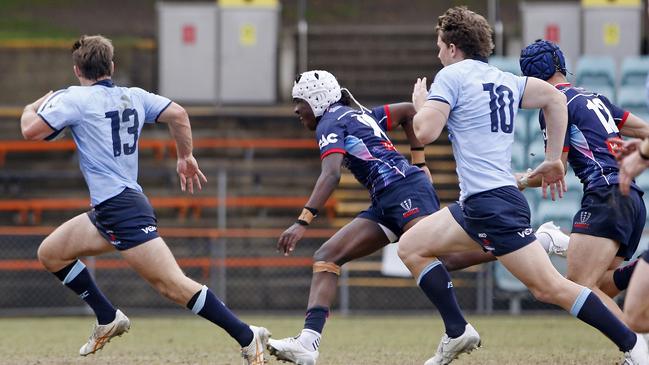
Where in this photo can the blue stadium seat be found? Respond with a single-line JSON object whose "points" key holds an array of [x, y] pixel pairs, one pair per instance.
{"points": [[508, 64], [607, 91], [634, 71], [519, 157], [633, 99], [521, 128], [642, 181], [513, 289], [596, 70], [560, 211]]}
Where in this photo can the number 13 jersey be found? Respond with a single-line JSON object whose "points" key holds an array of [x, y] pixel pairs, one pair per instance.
{"points": [[484, 102], [105, 122]]}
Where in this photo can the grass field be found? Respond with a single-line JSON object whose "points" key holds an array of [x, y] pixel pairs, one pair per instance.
{"points": [[363, 340]]}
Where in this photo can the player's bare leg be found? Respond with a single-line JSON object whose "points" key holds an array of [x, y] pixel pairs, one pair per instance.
{"points": [[59, 254], [636, 306], [156, 264], [531, 265], [358, 238], [437, 235], [589, 258]]}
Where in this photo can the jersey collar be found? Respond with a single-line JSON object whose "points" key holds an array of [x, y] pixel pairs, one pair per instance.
{"points": [[562, 85], [105, 82]]}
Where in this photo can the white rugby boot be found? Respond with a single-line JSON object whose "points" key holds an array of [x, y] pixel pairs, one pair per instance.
{"points": [[291, 349], [558, 241], [638, 355], [253, 354], [450, 348], [102, 334]]}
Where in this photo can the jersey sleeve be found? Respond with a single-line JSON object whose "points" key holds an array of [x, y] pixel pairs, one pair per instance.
{"points": [[59, 110], [619, 115], [383, 116], [153, 104], [331, 136], [446, 87], [521, 82]]}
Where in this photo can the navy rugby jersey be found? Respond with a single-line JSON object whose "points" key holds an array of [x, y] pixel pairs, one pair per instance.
{"points": [[368, 152], [592, 119]]}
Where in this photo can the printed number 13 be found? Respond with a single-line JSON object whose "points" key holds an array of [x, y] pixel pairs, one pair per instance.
{"points": [[115, 127]]}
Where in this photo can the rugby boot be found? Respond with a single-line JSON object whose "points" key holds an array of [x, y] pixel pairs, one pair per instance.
{"points": [[253, 354], [559, 241], [450, 348], [638, 355], [291, 349], [103, 333]]}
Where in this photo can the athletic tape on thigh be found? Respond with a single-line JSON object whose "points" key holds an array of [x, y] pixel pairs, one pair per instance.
{"points": [[323, 266]]}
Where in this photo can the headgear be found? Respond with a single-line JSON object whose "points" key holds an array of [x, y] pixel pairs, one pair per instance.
{"points": [[318, 88], [542, 59]]}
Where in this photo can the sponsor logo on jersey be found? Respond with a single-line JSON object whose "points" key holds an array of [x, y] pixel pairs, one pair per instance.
{"points": [[149, 229], [325, 141], [388, 146], [407, 206], [583, 220], [526, 232]]}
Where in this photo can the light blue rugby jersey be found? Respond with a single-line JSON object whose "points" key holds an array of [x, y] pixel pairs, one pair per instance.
{"points": [[484, 102], [106, 122]]}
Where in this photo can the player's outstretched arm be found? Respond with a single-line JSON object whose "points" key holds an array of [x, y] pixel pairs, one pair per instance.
{"points": [[403, 113], [540, 94], [324, 187], [633, 165], [635, 127], [180, 129], [32, 126]]}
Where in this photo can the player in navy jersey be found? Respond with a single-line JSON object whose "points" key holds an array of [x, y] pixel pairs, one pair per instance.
{"points": [[478, 103], [401, 194], [105, 121]]}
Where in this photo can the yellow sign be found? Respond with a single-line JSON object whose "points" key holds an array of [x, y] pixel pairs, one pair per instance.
{"points": [[248, 3], [615, 3], [248, 35], [611, 32]]}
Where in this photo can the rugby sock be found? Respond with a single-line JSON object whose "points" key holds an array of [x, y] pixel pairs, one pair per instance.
{"points": [[591, 310], [76, 277], [313, 325], [622, 276], [207, 305], [436, 283], [310, 339]]}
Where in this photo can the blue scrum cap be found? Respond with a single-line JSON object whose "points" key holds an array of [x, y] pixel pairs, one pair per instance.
{"points": [[542, 59]]}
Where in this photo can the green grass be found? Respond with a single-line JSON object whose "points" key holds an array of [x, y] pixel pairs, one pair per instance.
{"points": [[363, 340]]}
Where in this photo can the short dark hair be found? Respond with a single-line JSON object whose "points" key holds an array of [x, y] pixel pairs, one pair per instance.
{"points": [[469, 31], [93, 56]]}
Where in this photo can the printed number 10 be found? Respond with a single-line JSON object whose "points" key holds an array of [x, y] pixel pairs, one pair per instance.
{"points": [[499, 107]]}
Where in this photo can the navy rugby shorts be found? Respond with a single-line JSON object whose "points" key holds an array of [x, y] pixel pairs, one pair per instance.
{"points": [[125, 220], [401, 202], [605, 212], [498, 219]]}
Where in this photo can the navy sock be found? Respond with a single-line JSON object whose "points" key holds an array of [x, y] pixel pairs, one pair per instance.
{"points": [[622, 276], [436, 283], [207, 305], [76, 277], [591, 310], [316, 318]]}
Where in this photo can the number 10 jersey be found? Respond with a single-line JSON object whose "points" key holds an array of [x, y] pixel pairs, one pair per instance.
{"points": [[105, 122], [484, 102]]}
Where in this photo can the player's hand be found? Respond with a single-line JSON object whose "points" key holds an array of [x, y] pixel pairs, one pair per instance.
{"points": [[622, 148], [189, 174], [552, 174], [630, 167], [426, 170], [419, 93], [37, 104], [289, 238]]}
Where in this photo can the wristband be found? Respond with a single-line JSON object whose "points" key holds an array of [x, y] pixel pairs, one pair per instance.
{"points": [[302, 222], [306, 216], [422, 164], [417, 148], [313, 211]]}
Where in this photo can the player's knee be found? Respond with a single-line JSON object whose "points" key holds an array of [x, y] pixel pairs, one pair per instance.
{"points": [[326, 254], [46, 256], [324, 266], [545, 293]]}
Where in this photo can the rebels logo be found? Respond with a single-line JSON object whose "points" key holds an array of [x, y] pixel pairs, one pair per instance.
{"points": [[583, 219], [325, 141], [407, 206]]}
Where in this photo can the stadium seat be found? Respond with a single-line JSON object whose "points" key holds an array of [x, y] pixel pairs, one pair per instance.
{"points": [[607, 91], [633, 99], [560, 211], [521, 128], [519, 157], [596, 70], [634, 71], [642, 181], [508, 64]]}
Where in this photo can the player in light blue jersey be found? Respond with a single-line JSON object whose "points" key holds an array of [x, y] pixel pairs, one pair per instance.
{"points": [[105, 121], [478, 103]]}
